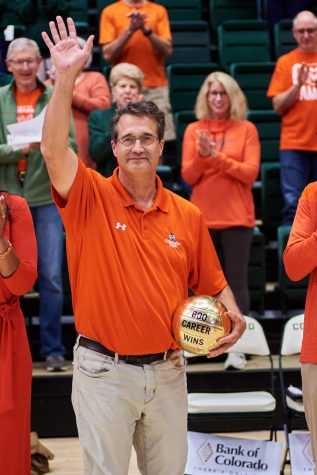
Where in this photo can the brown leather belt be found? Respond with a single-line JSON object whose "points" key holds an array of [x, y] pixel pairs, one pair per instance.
{"points": [[137, 360]]}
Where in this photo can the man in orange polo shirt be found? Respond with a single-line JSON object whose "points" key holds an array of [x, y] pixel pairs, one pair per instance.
{"points": [[133, 249], [294, 96]]}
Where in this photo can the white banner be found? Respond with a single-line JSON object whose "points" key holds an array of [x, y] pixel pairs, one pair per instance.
{"points": [[218, 454], [301, 454]]}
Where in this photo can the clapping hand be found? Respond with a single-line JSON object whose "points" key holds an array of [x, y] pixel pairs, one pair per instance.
{"points": [[302, 74], [137, 20], [206, 146], [66, 54]]}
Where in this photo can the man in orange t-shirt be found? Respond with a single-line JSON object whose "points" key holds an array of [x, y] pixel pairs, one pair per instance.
{"points": [[300, 260], [133, 250], [294, 95], [138, 32]]}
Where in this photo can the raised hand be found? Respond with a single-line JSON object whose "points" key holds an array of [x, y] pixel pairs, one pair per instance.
{"points": [[66, 54]]}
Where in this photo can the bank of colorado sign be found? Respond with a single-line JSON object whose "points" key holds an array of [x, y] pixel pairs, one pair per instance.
{"points": [[234, 456]]}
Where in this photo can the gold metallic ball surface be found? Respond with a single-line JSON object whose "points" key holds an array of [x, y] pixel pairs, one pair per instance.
{"points": [[199, 322]]}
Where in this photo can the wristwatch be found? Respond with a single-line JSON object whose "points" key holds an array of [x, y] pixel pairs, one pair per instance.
{"points": [[147, 32]]}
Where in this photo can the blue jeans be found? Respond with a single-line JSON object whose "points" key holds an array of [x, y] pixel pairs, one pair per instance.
{"points": [[298, 168], [49, 235]]}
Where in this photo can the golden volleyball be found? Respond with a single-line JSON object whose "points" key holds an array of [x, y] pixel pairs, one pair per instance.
{"points": [[199, 322]]}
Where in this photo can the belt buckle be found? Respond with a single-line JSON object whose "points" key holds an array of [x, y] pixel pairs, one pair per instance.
{"points": [[143, 360]]}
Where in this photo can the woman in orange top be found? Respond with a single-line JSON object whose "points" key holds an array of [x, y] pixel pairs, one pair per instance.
{"points": [[18, 261], [221, 156]]}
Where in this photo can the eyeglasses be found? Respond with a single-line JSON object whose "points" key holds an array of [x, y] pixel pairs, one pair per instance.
{"points": [[217, 93], [130, 141], [20, 62], [301, 31]]}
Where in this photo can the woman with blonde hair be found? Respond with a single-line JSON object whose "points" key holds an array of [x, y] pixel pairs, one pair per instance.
{"points": [[220, 160]]}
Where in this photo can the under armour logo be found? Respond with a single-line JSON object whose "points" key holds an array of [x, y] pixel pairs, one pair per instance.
{"points": [[121, 226]]}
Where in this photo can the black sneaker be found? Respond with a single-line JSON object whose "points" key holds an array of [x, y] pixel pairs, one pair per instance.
{"points": [[55, 363]]}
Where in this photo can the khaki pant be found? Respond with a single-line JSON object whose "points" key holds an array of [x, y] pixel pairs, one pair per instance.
{"points": [[118, 404], [160, 95], [309, 382]]}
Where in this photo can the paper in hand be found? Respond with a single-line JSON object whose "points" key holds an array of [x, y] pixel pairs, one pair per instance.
{"points": [[26, 132]]}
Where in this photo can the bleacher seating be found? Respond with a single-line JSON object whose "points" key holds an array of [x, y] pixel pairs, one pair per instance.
{"points": [[191, 42], [284, 40], [268, 124], [272, 199], [243, 41], [254, 78], [9, 18], [223, 10], [79, 13], [185, 81], [178, 10], [256, 271]]}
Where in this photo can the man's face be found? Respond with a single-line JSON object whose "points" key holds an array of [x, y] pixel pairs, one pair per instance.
{"points": [[142, 155], [305, 33], [24, 65]]}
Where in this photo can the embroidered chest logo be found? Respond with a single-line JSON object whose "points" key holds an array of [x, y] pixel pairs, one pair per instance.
{"points": [[171, 241], [121, 226]]}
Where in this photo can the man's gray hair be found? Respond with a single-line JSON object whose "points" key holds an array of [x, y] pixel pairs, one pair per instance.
{"points": [[20, 44]]}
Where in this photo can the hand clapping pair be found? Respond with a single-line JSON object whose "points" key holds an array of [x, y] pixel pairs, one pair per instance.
{"points": [[206, 146]]}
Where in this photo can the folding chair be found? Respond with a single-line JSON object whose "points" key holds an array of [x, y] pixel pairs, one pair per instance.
{"points": [[252, 401], [289, 372]]}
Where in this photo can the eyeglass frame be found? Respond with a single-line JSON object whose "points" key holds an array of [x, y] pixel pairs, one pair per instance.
{"points": [[28, 61], [217, 93], [301, 31], [154, 139]]}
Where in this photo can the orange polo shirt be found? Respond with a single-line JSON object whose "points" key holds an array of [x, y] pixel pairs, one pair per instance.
{"points": [[300, 260], [298, 123], [130, 268], [138, 50]]}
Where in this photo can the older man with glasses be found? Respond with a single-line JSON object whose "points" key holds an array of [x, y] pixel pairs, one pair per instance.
{"points": [[23, 172], [294, 95]]}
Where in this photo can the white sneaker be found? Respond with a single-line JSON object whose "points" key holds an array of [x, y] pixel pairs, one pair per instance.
{"points": [[235, 361], [294, 392]]}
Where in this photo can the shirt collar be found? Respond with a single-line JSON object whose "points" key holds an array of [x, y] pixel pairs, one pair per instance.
{"points": [[161, 199]]}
